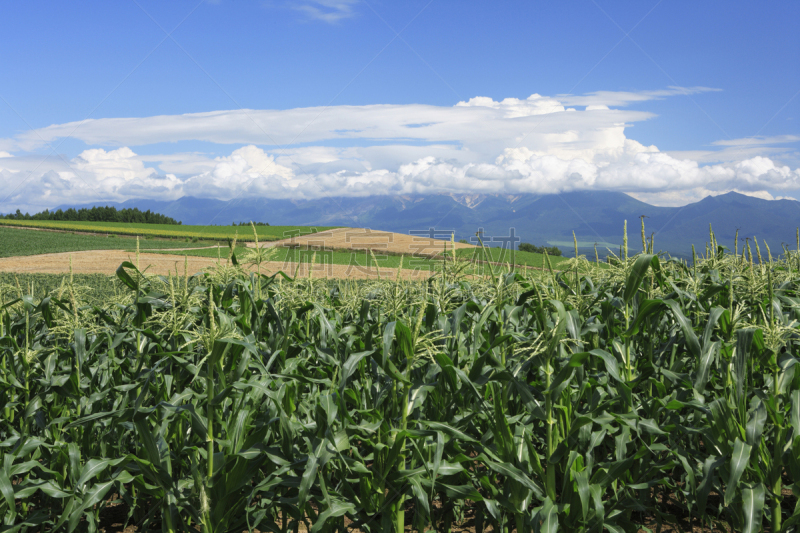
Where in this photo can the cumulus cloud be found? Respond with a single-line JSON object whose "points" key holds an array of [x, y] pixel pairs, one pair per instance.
{"points": [[96, 174], [539, 144], [248, 169]]}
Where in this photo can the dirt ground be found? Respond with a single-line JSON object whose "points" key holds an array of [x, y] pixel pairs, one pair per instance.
{"points": [[361, 238], [107, 261]]}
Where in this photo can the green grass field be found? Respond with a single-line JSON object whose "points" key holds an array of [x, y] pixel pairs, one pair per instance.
{"points": [[384, 260], [21, 242], [18, 242], [505, 256], [244, 233]]}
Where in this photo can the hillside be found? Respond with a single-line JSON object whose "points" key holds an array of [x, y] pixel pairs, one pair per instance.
{"points": [[595, 216]]}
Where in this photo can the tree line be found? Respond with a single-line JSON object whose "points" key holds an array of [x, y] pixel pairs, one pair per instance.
{"points": [[528, 247], [97, 214]]}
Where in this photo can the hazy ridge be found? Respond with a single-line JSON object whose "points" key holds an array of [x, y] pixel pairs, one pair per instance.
{"points": [[594, 216]]}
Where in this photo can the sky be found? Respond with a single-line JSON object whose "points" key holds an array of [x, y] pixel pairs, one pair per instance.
{"points": [[667, 101]]}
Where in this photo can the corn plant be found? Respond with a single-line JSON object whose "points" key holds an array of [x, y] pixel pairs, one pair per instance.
{"points": [[639, 393]]}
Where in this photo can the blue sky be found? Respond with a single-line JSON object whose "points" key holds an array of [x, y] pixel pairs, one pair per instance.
{"points": [[685, 99]]}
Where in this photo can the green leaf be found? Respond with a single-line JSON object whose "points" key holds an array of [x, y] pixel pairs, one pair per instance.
{"points": [[350, 366], [337, 508], [755, 423], [145, 434], [91, 469], [686, 327], [713, 318], [90, 499], [796, 413], [309, 474], [650, 426], [647, 308], [701, 376], [549, 517], [517, 475], [709, 467], [738, 464], [612, 367], [388, 337], [125, 277], [405, 340], [752, 506], [637, 274], [79, 336], [582, 480], [8, 494], [578, 359], [744, 343], [502, 433]]}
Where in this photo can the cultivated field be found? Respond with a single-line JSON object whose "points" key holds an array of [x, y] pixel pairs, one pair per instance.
{"points": [[107, 261], [345, 252], [20, 242], [648, 395], [366, 239], [265, 233]]}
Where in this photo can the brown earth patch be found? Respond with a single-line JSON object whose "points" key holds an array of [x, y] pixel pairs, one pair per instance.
{"points": [[107, 261], [364, 238]]}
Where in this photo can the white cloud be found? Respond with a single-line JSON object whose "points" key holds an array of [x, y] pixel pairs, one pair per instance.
{"points": [[245, 170], [112, 165], [758, 141], [537, 145], [623, 98], [745, 148], [505, 123], [95, 175], [514, 107], [5, 154], [682, 197], [330, 11]]}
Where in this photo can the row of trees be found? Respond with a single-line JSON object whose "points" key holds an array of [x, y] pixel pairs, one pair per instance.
{"points": [[97, 214], [528, 247]]}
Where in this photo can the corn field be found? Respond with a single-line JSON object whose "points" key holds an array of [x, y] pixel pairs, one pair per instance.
{"points": [[650, 392]]}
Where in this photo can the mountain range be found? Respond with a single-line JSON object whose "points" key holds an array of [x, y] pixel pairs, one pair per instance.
{"points": [[594, 216]]}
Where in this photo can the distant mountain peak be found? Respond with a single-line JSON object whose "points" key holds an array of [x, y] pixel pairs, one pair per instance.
{"points": [[595, 216], [468, 200]]}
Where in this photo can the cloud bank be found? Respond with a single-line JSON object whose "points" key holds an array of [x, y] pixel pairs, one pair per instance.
{"points": [[539, 144]]}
